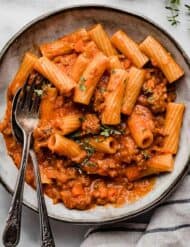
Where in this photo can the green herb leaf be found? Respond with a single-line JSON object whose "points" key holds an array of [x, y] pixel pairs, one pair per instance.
{"points": [[75, 134], [147, 91], [188, 8], [145, 154], [82, 87], [91, 164], [82, 119], [82, 79], [150, 99], [102, 90], [81, 84], [107, 131], [39, 92], [174, 11]]}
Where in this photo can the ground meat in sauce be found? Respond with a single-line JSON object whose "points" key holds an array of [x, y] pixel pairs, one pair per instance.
{"points": [[128, 150], [154, 91], [90, 124]]}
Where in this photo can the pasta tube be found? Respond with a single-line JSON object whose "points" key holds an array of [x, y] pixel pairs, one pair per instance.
{"points": [[55, 75], [105, 145], [113, 100], [47, 104], [56, 48], [66, 147], [140, 125], [132, 90], [155, 165], [114, 63], [101, 38], [89, 79], [79, 67], [68, 123], [22, 74], [63, 45], [173, 122], [129, 48], [163, 59]]}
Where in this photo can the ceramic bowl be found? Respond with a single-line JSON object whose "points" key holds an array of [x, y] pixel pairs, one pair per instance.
{"points": [[54, 25]]}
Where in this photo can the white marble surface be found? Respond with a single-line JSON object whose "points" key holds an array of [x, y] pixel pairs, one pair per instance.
{"points": [[13, 15]]}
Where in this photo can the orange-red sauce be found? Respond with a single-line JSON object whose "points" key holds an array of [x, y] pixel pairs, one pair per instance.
{"points": [[102, 179]]}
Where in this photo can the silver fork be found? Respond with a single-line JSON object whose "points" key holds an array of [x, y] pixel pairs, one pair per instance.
{"points": [[26, 116]]}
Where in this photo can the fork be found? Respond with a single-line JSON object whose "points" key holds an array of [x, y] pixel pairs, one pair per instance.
{"points": [[26, 117]]}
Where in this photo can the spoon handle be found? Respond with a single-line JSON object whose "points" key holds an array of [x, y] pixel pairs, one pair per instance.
{"points": [[45, 228], [11, 234]]}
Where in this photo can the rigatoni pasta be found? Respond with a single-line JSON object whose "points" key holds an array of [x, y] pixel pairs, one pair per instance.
{"points": [[105, 145], [48, 103], [111, 113], [64, 146], [63, 45], [22, 74], [107, 121], [129, 48], [101, 38], [141, 125], [162, 58], [79, 67], [56, 48], [55, 75], [173, 122], [68, 123], [89, 79], [114, 63], [133, 87], [155, 165]]}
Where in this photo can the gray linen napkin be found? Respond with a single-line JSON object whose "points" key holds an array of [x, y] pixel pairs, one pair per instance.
{"points": [[169, 226]]}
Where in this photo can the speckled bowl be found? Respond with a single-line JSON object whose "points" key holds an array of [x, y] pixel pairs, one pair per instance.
{"points": [[54, 25]]}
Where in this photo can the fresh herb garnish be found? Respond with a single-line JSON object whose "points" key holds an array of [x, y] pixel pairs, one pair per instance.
{"points": [[82, 79], [107, 131], [39, 92], [174, 12], [82, 119], [113, 71], [89, 150], [102, 90], [81, 84], [91, 164], [82, 87], [188, 8], [147, 91], [75, 134], [150, 99], [97, 139], [145, 154]]}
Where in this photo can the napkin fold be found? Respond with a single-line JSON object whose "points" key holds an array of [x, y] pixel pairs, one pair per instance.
{"points": [[169, 226]]}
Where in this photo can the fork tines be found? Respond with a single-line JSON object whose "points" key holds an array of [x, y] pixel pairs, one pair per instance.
{"points": [[29, 99]]}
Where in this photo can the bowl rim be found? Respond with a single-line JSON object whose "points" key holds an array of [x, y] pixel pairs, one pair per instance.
{"points": [[138, 15]]}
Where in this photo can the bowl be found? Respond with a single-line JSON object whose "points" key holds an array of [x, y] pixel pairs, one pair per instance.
{"points": [[53, 25]]}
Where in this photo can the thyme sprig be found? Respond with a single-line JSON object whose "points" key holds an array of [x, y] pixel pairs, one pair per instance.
{"points": [[173, 7], [188, 8]]}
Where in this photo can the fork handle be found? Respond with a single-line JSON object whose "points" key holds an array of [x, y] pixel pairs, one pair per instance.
{"points": [[45, 228], [11, 234]]}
